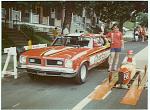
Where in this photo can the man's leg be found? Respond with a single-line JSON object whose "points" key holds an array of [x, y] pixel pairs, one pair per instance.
{"points": [[142, 38], [111, 58], [116, 60]]}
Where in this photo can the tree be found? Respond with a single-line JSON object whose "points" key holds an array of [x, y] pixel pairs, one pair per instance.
{"points": [[142, 18], [117, 10], [72, 7]]}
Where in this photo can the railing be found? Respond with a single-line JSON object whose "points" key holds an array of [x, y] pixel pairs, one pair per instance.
{"points": [[16, 15], [35, 18], [45, 20]]}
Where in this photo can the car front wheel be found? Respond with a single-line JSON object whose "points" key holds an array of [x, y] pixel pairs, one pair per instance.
{"points": [[82, 74]]}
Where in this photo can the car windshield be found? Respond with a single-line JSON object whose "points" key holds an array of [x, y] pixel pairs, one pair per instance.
{"points": [[72, 41]]}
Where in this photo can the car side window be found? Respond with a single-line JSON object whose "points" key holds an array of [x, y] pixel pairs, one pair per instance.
{"points": [[59, 42], [98, 41]]}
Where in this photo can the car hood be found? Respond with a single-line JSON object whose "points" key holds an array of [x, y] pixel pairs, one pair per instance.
{"points": [[56, 52]]}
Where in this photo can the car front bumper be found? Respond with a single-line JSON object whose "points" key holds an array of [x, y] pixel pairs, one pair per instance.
{"points": [[48, 71]]}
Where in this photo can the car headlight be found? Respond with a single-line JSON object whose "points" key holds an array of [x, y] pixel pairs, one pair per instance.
{"points": [[59, 62], [68, 63], [22, 59]]}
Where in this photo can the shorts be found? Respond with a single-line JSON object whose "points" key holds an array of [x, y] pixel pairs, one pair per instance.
{"points": [[115, 50]]}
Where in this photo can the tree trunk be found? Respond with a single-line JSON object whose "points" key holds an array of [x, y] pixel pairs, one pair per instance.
{"points": [[68, 15], [121, 25]]}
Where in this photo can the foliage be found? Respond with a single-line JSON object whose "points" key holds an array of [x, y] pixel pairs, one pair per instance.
{"points": [[108, 10], [130, 25], [142, 18], [29, 31]]}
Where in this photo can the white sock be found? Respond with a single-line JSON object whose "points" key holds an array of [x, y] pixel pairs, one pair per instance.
{"points": [[115, 67], [110, 68]]}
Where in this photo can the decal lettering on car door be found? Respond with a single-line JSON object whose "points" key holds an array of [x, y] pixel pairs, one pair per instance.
{"points": [[99, 57]]}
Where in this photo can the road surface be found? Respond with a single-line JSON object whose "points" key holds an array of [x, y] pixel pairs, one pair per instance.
{"points": [[62, 93]]}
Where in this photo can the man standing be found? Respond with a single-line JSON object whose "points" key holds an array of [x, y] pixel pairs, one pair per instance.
{"points": [[55, 33], [116, 39]]}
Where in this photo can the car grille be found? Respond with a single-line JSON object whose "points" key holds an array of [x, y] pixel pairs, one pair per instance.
{"points": [[34, 61], [54, 62]]}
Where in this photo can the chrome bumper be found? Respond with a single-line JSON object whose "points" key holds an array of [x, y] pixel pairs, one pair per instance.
{"points": [[48, 71]]}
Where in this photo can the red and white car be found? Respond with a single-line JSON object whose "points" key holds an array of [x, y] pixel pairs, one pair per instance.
{"points": [[68, 56]]}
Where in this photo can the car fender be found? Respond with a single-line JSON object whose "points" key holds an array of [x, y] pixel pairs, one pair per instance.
{"points": [[78, 65]]}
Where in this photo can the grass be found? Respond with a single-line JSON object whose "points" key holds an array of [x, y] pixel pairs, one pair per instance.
{"points": [[42, 40], [35, 37]]}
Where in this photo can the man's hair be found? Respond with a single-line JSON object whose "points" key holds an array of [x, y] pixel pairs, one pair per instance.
{"points": [[114, 25]]}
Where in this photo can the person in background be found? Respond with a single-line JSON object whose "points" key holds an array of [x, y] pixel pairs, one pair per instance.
{"points": [[29, 44], [143, 32], [116, 40], [136, 33], [76, 31], [55, 33]]}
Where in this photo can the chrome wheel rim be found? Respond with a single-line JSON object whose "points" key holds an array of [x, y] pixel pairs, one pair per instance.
{"points": [[83, 72]]}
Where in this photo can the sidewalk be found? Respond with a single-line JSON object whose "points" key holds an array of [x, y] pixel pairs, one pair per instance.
{"points": [[141, 58]]}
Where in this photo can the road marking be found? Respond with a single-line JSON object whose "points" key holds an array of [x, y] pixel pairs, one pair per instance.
{"points": [[106, 95], [104, 90], [97, 86], [82, 103], [104, 80], [94, 95], [85, 101], [16, 105]]}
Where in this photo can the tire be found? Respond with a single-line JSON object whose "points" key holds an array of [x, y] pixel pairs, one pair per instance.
{"points": [[81, 76]]}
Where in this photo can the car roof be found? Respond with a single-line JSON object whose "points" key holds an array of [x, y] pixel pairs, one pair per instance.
{"points": [[73, 34], [91, 35]]}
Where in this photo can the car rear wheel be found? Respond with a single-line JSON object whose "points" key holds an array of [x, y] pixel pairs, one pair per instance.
{"points": [[82, 74]]}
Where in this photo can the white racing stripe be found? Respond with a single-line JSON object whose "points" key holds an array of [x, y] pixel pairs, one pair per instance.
{"points": [[51, 51], [79, 55]]}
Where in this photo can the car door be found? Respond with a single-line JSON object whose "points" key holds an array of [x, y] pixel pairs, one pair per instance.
{"points": [[99, 53]]}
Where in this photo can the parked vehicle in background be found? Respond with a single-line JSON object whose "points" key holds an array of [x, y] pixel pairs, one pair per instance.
{"points": [[68, 56]]}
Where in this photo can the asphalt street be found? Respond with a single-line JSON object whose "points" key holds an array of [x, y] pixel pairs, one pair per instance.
{"points": [[62, 93]]}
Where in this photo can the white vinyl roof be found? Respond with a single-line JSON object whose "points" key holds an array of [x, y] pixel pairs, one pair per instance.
{"points": [[74, 34]]}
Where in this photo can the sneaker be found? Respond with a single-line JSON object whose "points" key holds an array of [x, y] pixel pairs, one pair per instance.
{"points": [[109, 70]]}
